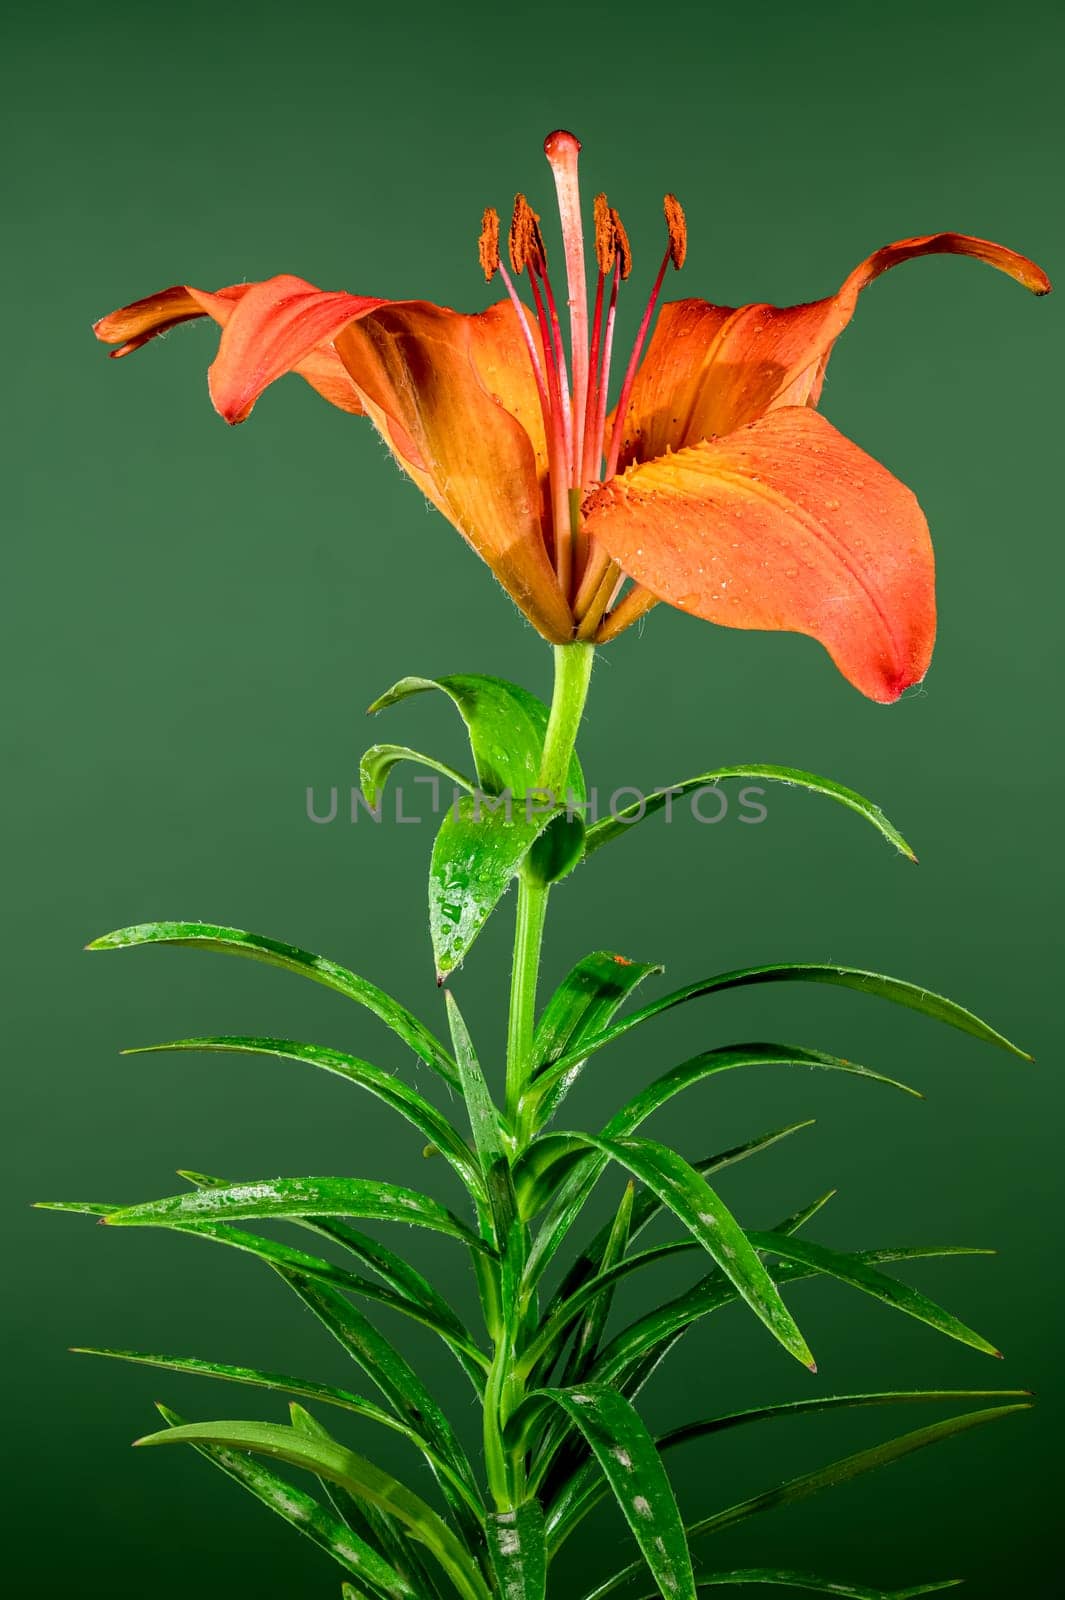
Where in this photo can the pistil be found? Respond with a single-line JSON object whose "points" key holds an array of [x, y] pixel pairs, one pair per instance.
{"points": [[562, 150]]}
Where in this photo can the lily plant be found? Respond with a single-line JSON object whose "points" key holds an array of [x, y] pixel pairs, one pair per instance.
{"points": [[697, 470]]}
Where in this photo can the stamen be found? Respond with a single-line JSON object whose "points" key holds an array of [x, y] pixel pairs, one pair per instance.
{"points": [[677, 224], [526, 242], [614, 256], [488, 244], [562, 150], [635, 605], [621, 239], [606, 248], [676, 250]]}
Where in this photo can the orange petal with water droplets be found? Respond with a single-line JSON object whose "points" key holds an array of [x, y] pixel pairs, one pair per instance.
{"points": [[710, 369], [783, 525], [135, 325], [455, 397]]}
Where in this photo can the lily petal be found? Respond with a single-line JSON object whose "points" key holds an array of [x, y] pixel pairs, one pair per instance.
{"points": [[135, 325], [785, 525], [710, 369], [455, 397]]}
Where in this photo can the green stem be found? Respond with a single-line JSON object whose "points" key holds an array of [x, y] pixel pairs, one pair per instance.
{"points": [[573, 667]]}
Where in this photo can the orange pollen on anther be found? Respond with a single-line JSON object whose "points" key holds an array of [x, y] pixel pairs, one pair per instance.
{"points": [[605, 241], [621, 240], [526, 242], [678, 230], [488, 243]]}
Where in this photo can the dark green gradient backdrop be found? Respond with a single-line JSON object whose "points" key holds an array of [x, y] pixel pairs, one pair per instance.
{"points": [[198, 617]]}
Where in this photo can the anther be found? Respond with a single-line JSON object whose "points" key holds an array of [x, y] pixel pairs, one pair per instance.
{"points": [[488, 243], [605, 241], [678, 230], [526, 241], [621, 240]]}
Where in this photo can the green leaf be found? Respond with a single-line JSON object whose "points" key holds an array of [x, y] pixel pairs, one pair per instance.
{"points": [[233, 941], [613, 827], [303, 1513], [506, 725], [306, 1388], [388, 1535], [626, 1454], [298, 1197], [549, 1162], [414, 1296], [895, 989], [476, 855], [647, 1206], [285, 1259], [581, 1007], [399, 1384], [384, 1085], [327, 1459], [590, 1331], [852, 1466], [660, 1326], [586, 1488], [377, 763], [852, 1269], [494, 1172], [517, 1552], [695, 1204], [784, 1578], [825, 1478]]}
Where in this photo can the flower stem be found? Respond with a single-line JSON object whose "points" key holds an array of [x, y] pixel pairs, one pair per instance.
{"points": [[573, 667]]}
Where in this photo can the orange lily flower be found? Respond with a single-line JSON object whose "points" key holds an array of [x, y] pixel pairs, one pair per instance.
{"points": [[713, 484]]}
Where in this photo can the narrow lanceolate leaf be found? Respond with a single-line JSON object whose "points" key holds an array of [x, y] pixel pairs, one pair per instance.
{"points": [[557, 1460], [304, 1513], [894, 989], [585, 1488], [581, 1007], [441, 1321], [494, 1173], [305, 1388], [708, 1219], [851, 1269], [298, 1197], [627, 1457], [517, 1552], [647, 1206], [234, 941], [824, 1478], [476, 855], [337, 1498], [327, 1459], [400, 1385], [551, 1161], [590, 1330], [432, 1124], [852, 1466], [506, 725], [385, 1533], [614, 826], [656, 1329], [786, 1578], [417, 1296], [377, 764]]}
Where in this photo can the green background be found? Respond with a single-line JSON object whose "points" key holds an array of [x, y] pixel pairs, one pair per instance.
{"points": [[197, 618]]}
